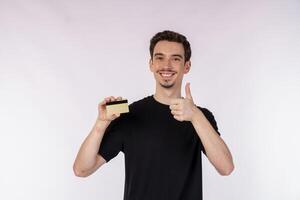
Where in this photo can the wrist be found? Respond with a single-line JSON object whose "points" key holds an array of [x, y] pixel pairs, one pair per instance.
{"points": [[197, 114], [102, 124]]}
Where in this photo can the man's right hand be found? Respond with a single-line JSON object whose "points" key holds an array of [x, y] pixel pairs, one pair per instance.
{"points": [[102, 113], [88, 160]]}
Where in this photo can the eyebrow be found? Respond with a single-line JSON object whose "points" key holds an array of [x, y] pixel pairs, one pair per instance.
{"points": [[177, 55], [174, 55], [158, 54]]}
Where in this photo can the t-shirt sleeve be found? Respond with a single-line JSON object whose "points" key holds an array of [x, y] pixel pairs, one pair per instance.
{"points": [[210, 117], [113, 139]]}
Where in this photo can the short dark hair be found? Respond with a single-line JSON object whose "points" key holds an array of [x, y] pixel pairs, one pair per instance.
{"points": [[171, 36]]}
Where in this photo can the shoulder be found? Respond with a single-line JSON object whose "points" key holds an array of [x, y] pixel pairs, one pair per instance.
{"points": [[135, 107], [140, 104], [210, 117], [205, 111]]}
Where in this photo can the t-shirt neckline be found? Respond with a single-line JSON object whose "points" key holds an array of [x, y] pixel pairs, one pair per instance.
{"points": [[157, 102]]}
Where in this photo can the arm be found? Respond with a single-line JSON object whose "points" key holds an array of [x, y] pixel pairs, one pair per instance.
{"points": [[88, 160], [216, 150]]}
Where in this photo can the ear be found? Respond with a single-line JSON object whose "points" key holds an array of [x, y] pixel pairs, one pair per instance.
{"points": [[187, 66], [151, 64]]}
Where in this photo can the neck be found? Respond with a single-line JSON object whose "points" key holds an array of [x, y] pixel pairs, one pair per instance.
{"points": [[164, 95]]}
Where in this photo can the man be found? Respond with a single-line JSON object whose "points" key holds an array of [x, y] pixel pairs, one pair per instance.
{"points": [[163, 134]]}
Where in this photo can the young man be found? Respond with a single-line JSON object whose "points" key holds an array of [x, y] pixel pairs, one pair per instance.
{"points": [[163, 134]]}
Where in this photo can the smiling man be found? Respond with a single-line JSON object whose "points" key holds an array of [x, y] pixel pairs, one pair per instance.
{"points": [[162, 136]]}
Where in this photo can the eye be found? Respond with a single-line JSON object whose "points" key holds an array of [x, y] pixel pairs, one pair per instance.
{"points": [[177, 59], [158, 58]]}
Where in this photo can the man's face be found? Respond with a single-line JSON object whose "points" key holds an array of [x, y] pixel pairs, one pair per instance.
{"points": [[168, 64]]}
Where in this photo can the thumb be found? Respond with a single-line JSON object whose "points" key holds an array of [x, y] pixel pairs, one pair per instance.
{"points": [[188, 94]]}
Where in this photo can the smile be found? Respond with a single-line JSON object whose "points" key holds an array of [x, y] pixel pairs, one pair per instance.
{"points": [[166, 74]]}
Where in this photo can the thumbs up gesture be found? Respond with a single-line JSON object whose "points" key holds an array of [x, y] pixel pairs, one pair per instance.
{"points": [[184, 109]]}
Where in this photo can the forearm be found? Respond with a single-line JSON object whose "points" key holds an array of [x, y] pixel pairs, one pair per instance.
{"points": [[216, 150], [86, 157]]}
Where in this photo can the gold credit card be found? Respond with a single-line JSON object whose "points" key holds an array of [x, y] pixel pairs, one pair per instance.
{"points": [[115, 107]]}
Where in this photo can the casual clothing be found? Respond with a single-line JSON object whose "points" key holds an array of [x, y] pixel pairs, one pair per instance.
{"points": [[162, 155]]}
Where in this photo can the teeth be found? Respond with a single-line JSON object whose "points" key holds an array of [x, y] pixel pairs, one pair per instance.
{"points": [[166, 74]]}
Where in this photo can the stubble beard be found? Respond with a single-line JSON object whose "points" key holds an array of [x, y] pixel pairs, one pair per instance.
{"points": [[167, 86]]}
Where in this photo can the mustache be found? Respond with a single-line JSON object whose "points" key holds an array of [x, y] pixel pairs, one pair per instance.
{"points": [[159, 71]]}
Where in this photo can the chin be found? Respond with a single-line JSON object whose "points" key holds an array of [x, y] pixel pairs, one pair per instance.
{"points": [[164, 84], [167, 86]]}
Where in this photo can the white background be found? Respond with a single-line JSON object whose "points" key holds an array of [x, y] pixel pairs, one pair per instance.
{"points": [[59, 59]]}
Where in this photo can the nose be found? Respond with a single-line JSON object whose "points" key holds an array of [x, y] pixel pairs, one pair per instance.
{"points": [[167, 64]]}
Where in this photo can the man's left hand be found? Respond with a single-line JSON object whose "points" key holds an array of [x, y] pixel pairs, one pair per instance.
{"points": [[184, 109]]}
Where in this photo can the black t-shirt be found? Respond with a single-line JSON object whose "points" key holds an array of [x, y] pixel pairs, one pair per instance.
{"points": [[162, 155]]}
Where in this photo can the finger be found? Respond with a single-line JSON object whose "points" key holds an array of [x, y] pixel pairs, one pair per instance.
{"points": [[108, 99], [176, 112], [116, 115], [175, 107], [119, 98], [104, 101], [112, 98], [176, 101], [188, 93], [178, 118]]}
